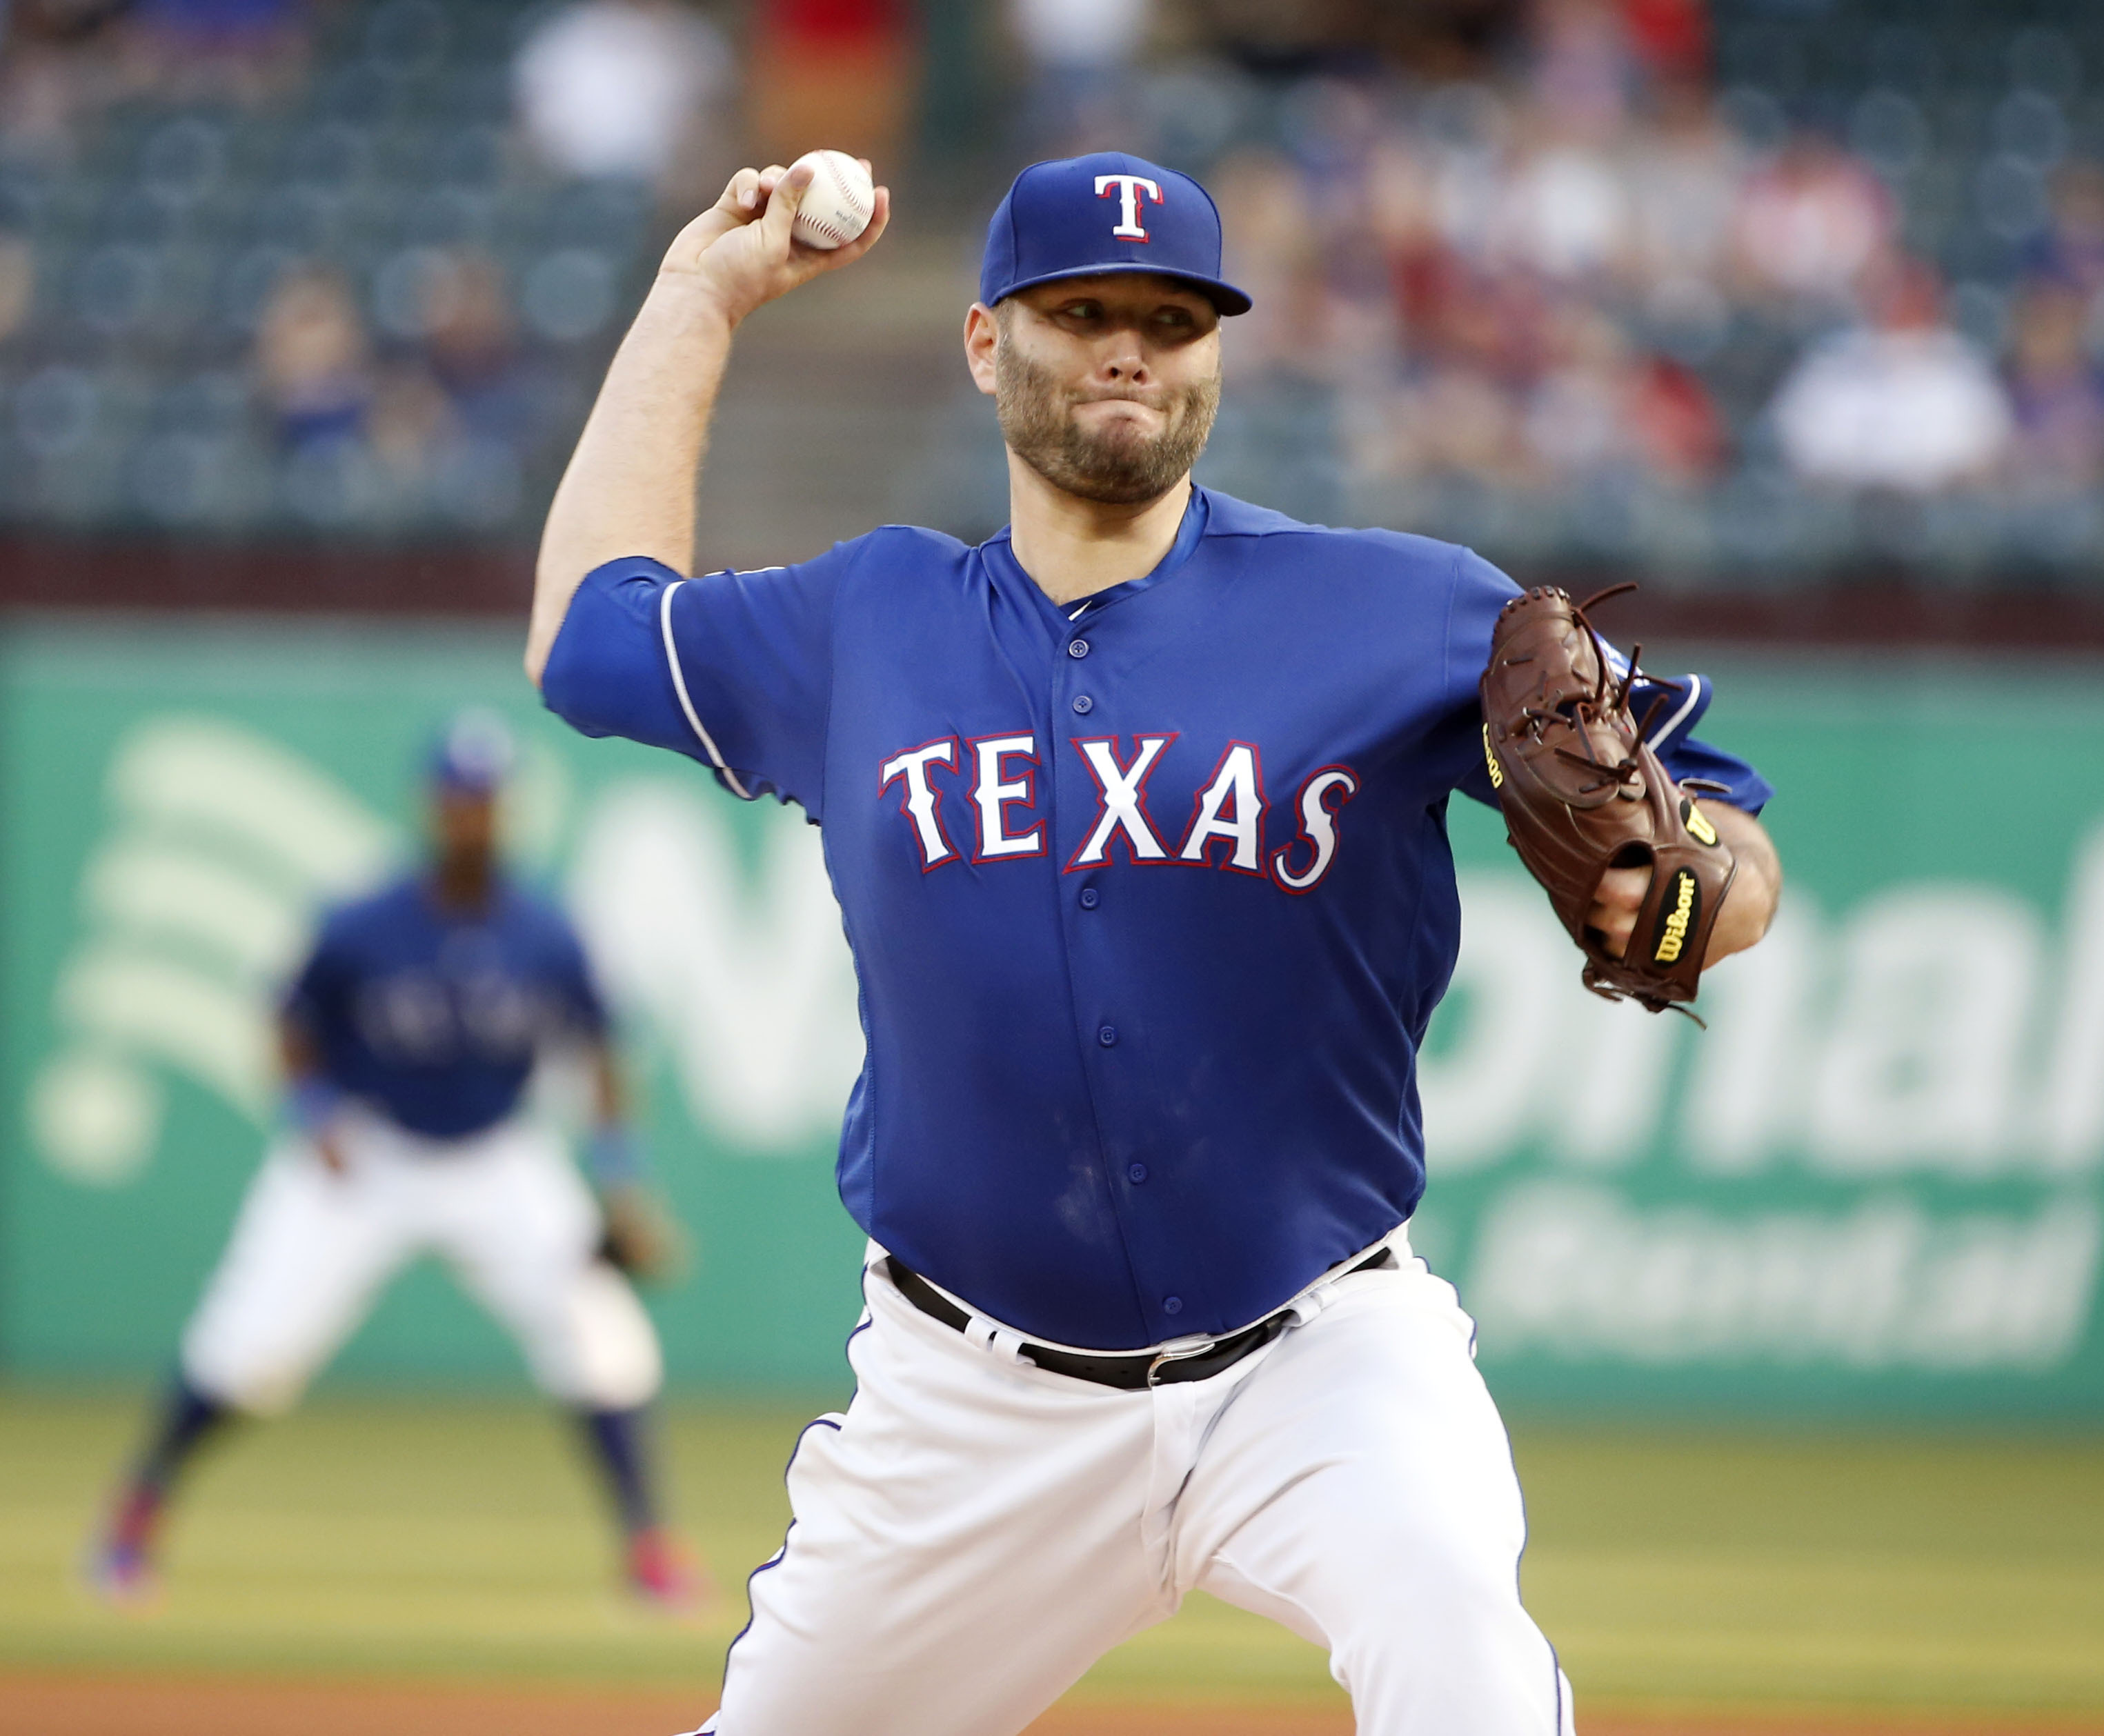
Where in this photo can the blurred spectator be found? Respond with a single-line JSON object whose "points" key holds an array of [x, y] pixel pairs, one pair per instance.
{"points": [[1670, 37], [1603, 410], [470, 346], [1674, 423], [1904, 403], [1274, 253], [1584, 69], [1565, 212], [18, 284], [1287, 42], [2073, 248], [465, 410], [1684, 172], [446, 425], [1079, 55], [1812, 224], [631, 89], [55, 73], [1436, 40], [1578, 424], [1447, 419], [408, 421], [2056, 393], [313, 362], [837, 74], [205, 50]]}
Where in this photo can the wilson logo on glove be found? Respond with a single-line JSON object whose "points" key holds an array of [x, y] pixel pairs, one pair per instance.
{"points": [[1672, 936]]}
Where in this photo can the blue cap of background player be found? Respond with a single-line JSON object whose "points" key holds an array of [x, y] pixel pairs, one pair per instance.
{"points": [[474, 755], [1083, 216]]}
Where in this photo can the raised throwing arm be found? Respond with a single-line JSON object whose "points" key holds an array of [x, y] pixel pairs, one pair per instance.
{"points": [[629, 489]]}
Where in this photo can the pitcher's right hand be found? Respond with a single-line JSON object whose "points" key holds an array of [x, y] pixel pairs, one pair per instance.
{"points": [[739, 251]]}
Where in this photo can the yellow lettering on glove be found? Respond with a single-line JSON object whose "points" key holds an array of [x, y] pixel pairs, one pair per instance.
{"points": [[1675, 936]]}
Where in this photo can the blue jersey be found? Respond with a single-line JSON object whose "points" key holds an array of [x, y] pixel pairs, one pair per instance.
{"points": [[1150, 897], [435, 1018]]}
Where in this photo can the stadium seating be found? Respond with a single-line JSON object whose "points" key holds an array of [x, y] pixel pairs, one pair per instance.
{"points": [[136, 394]]}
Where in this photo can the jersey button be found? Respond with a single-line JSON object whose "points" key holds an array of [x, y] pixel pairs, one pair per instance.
{"points": [[1078, 648], [1108, 1036], [1138, 1172], [1090, 898], [1083, 703], [1172, 1305]]}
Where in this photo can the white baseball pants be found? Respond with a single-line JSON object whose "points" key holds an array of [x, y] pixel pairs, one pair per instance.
{"points": [[974, 1531], [505, 1209]]}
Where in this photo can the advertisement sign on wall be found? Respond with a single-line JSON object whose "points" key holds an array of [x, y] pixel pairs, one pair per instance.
{"points": [[1870, 1185]]}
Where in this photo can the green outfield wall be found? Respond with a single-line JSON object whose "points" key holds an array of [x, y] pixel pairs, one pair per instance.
{"points": [[1870, 1187]]}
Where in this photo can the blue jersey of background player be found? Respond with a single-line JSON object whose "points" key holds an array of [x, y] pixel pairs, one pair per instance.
{"points": [[408, 1039], [1137, 817], [436, 1023]]}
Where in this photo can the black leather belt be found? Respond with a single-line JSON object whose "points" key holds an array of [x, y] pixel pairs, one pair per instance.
{"points": [[1130, 1371]]}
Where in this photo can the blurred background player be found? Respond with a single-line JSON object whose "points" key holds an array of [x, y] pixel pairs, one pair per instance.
{"points": [[408, 1039]]}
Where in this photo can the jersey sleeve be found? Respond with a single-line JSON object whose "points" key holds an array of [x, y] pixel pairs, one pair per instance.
{"points": [[1669, 706], [734, 670], [572, 982]]}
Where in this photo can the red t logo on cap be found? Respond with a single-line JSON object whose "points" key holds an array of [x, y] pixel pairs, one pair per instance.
{"points": [[1133, 191]]}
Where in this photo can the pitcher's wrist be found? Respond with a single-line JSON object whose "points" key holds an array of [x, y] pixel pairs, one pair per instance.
{"points": [[695, 305]]}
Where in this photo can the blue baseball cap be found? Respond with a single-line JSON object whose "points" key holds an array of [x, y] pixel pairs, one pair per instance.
{"points": [[1082, 216], [474, 755]]}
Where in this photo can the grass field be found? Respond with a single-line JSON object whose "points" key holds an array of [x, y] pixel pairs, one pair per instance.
{"points": [[460, 1544]]}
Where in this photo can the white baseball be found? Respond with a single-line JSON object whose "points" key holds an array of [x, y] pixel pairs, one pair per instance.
{"points": [[837, 205]]}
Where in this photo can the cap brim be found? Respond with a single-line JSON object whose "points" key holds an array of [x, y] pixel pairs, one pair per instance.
{"points": [[1223, 295]]}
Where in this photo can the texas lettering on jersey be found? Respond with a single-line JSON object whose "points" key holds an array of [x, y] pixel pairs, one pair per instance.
{"points": [[996, 779]]}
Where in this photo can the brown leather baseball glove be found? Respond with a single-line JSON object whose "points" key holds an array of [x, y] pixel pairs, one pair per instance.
{"points": [[640, 1236], [1583, 792]]}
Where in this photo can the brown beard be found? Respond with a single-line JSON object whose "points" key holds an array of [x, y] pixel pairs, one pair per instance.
{"points": [[1119, 467]]}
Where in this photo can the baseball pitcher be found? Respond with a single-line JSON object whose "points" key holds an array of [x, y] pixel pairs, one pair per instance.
{"points": [[1137, 817]]}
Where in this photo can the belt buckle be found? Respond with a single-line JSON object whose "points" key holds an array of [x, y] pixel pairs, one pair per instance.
{"points": [[1170, 1353]]}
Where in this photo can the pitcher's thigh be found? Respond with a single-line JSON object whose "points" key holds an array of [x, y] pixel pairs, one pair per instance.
{"points": [[1361, 1490], [945, 1574]]}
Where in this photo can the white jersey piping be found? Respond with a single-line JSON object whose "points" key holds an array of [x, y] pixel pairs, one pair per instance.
{"points": [[687, 704], [1686, 706]]}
